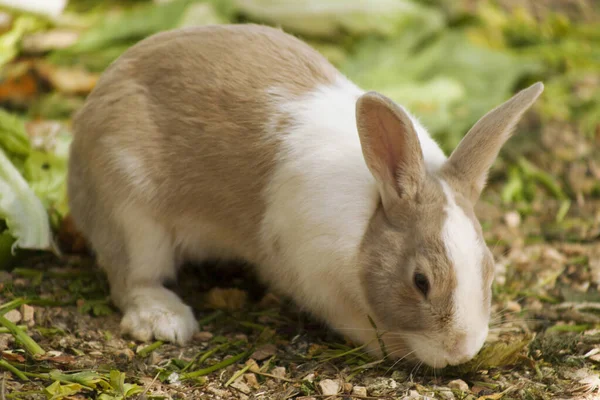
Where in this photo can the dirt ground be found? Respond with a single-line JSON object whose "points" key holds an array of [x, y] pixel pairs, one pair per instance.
{"points": [[541, 218], [544, 343]]}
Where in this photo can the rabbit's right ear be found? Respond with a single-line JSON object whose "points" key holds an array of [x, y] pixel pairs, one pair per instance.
{"points": [[470, 162], [390, 147]]}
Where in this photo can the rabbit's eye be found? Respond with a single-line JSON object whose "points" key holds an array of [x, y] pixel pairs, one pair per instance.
{"points": [[422, 283]]}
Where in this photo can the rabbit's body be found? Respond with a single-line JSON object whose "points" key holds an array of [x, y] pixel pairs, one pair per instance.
{"points": [[241, 142]]}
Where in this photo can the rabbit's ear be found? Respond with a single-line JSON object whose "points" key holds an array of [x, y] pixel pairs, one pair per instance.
{"points": [[470, 162], [390, 147]]}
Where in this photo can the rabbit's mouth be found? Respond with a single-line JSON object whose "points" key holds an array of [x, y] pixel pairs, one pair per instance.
{"points": [[452, 348]]}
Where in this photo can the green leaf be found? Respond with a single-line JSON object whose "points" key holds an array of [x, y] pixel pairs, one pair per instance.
{"points": [[6, 254], [58, 391], [23, 212], [89, 379], [132, 24], [9, 41], [329, 17], [448, 83], [13, 138]]}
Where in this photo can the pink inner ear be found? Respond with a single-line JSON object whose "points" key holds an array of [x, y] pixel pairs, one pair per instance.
{"points": [[391, 149], [390, 145]]}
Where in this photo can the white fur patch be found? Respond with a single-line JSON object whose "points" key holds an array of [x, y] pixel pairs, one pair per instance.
{"points": [[465, 251], [130, 164], [320, 201]]}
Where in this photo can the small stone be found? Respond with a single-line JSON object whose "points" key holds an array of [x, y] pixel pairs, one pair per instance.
{"points": [[458, 384], [347, 387], [203, 336], [264, 352], [512, 219], [412, 395], [125, 353], [359, 391], [446, 393], [329, 387], [21, 282], [595, 357], [278, 372], [6, 339], [251, 380], [253, 365], [398, 375], [513, 306], [218, 392], [238, 384], [241, 336], [309, 378], [381, 386], [230, 299], [28, 314], [154, 359], [13, 316]]}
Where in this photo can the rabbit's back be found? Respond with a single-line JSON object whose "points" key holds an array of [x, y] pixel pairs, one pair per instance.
{"points": [[188, 124]]}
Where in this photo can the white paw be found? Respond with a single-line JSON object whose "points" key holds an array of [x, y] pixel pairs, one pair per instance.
{"points": [[158, 313]]}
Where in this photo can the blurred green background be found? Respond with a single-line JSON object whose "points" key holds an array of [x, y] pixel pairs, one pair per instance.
{"points": [[448, 61]]}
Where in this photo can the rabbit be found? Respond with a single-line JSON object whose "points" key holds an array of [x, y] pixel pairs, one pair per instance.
{"points": [[242, 142]]}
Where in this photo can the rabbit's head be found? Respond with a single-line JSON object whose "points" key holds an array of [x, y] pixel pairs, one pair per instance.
{"points": [[426, 269]]}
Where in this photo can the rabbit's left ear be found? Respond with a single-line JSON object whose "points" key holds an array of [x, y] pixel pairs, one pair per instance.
{"points": [[470, 162]]}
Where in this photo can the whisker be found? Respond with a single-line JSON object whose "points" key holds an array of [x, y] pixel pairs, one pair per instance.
{"points": [[398, 361]]}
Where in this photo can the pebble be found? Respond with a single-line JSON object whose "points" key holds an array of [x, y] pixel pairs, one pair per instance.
{"points": [[218, 392], [513, 306], [381, 386], [446, 393], [329, 387], [278, 372], [413, 394], [512, 219], [251, 380], [309, 378], [459, 384], [253, 365], [124, 353], [6, 339], [241, 336], [28, 313], [347, 387], [203, 336], [13, 316], [264, 352], [359, 391], [241, 386]]}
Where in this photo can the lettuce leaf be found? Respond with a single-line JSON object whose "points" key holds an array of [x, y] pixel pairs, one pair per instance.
{"points": [[23, 212], [24, 221], [326, 18]]}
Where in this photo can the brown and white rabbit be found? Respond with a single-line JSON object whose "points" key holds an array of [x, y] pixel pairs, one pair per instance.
{"points": [[242, 142]]}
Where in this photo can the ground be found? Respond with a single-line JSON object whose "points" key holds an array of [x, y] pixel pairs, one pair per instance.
{"points": [[544, 342], [541, 218]]}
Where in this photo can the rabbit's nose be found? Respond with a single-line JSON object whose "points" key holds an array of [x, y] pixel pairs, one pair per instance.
{"points": [[459, 349]]}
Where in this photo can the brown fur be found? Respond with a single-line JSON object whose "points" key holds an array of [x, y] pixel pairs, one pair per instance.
{"points": [[207, 80]]}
